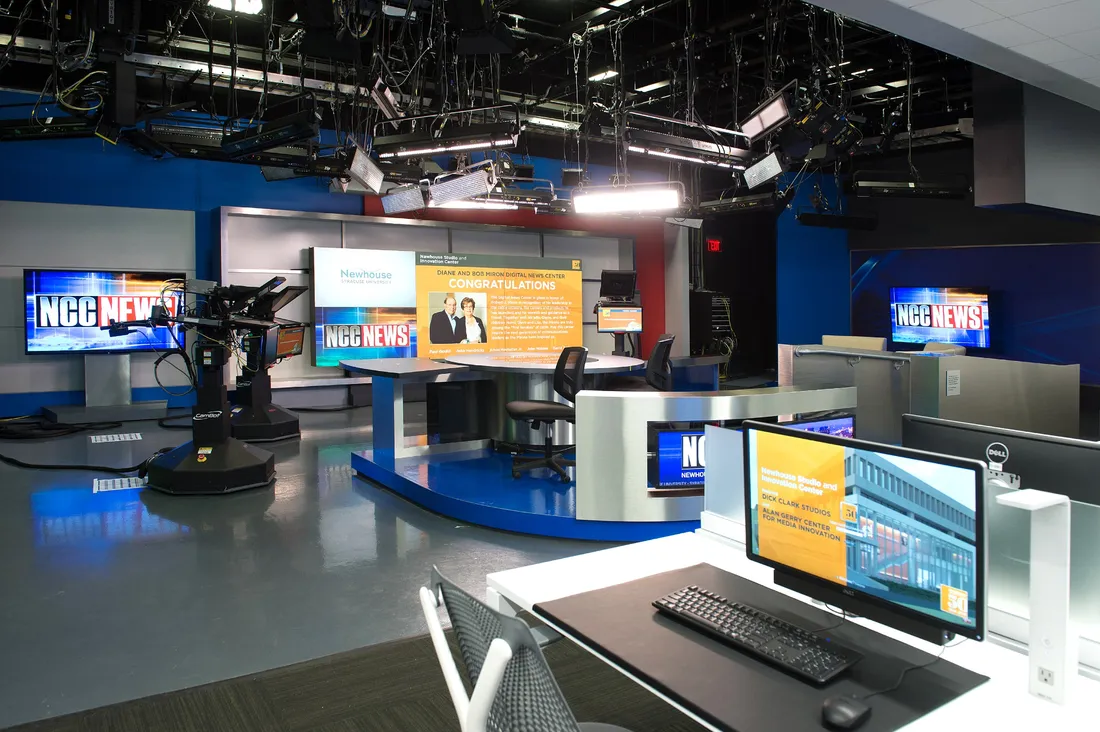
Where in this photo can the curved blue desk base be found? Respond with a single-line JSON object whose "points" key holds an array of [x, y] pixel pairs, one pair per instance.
{"points": [[477, 488]]}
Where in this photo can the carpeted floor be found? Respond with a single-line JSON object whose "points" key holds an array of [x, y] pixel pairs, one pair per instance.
{"points": [[391, 687]]}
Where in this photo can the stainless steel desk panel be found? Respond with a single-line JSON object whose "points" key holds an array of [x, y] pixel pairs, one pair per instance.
{"points": [[611, 441]]}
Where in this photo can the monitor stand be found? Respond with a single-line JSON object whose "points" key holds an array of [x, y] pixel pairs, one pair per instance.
{"points": [[836, 597], [107, 395]]}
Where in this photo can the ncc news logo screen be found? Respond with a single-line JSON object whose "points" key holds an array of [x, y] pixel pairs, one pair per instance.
{"points": [[67, 310], [954, 315]]}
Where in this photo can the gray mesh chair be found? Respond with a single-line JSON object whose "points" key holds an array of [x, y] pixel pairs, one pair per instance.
{"points": [[513, 687]]}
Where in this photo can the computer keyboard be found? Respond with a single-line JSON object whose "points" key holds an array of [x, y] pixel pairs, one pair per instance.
{"points": [[756, 633]]}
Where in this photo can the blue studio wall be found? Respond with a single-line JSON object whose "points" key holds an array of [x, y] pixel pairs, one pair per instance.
{"points": [[812, 295], [1044, 300]]}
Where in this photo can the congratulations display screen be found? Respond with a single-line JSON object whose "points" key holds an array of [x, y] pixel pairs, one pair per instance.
{"points": [[66, 310], [376, 304], [898, 529], [940, 315]]}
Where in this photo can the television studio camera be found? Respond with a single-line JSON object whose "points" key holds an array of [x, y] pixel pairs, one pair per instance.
{"points": [[218, 460]]}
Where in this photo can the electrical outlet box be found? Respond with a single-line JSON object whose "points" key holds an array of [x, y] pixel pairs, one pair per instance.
{"points": [[1046, 676]]}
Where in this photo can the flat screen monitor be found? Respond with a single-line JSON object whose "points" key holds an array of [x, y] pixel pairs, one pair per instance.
{"points": [[290, 341], [1017, 459], [618, 283], [955, 315], [619, 319], [681, 461], [895, 535], [66, 310], [843, 426]]}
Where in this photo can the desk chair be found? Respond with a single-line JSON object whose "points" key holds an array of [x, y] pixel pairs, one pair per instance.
{"points": [[658, 370], [513, 687], [568, 380]]}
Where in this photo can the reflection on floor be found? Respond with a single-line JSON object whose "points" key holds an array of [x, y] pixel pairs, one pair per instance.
{"points": [[121, 594], [478, 487]]}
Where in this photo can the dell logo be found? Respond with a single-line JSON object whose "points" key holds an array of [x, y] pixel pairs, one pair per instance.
{"points": [[206, 415], [997, 453], [849, 593]]}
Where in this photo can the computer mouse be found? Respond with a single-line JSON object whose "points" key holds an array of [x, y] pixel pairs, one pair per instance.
{"points": [[844, 712]]}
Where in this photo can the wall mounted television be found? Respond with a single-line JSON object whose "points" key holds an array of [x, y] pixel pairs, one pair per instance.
{"points": [[955, 315], [66, 309]]}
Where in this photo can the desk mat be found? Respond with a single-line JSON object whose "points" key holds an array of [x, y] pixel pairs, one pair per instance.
{"points": [[733, 691]]}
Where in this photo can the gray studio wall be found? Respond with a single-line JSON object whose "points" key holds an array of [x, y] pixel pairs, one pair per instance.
{"points": [[257, 245], [65, 236]]}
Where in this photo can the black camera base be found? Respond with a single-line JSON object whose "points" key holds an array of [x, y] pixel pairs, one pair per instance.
{"points": [[224, 467], [267, 423]]}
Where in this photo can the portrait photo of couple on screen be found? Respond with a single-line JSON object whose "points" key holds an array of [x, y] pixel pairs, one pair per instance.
{"points": [[460, 320]]}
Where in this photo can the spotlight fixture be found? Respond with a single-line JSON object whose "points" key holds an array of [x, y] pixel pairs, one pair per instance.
{"points": [[770, 115], [461, 187], [739, 204], [496, 136], [604, 75], [764, 171], [245, 7], [685, 149], [364, 172], [385, 100], [628, 199], [401, 200], [476, 204]]}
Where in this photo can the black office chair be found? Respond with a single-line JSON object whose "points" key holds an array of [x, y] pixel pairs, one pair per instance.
{"points": [[568, 378], [658, 370]]}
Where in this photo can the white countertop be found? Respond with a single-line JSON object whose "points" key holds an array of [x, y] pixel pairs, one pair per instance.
{"points": [[1003, 703], [542, 363]]}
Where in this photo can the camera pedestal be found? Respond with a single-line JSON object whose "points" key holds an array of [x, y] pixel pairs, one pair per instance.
{"points": [[1052, 646]]}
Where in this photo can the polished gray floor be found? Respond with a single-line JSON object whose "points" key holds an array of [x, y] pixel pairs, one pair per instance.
{"points": [[116, 595]]}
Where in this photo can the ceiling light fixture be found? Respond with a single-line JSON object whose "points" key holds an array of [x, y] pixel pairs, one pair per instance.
{"points": [[552, 122], [364, 172], [654, 86], [604, 75], [763, 171], [462, 187], [862, 71], [476, 204], [452, 138], [684, 149], [770, 115], [631, 199], [403, 199], [245, 7]]}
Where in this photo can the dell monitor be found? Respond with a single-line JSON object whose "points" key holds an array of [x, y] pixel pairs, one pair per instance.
{"points": [[1016, 459], [619, 319], [894, 535], [66, 311]]}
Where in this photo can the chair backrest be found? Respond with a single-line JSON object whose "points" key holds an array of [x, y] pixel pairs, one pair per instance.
{"points": [[528, 698], [658, 369], [569, 373]]}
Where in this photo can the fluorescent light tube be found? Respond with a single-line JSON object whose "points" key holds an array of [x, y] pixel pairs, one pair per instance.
{"points": [[403, 199], [460, 188], [559, 124], [654, 86], [604, 75], [627, 201], [674, 156], [475, 204], [246, 7]]}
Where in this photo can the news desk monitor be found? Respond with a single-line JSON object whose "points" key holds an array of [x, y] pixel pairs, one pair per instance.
{"points": [[619, 319], [891, 534], [291, 341]]}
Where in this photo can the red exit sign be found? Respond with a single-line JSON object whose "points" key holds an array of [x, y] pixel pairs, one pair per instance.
{"points": [[714, 245]]}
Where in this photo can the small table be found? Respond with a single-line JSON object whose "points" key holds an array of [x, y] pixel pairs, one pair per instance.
{"points": [[525, 376]]}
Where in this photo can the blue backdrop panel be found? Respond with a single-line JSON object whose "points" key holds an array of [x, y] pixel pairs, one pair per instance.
{"points": [[1044, 300]]}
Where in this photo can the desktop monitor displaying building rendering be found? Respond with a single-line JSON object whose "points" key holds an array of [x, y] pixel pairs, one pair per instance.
{"points": [[894, 535]]}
